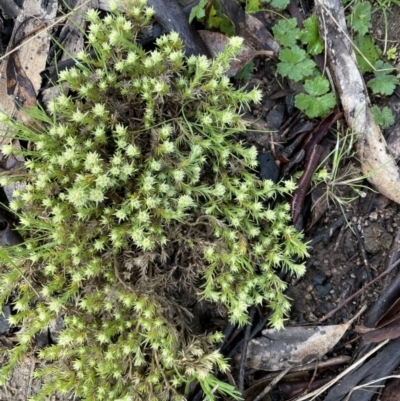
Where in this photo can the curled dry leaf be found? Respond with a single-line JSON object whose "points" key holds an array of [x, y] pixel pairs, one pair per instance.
{"points": [[20, 78], [376, 161], [216, 43], [294, 346], [376, 336]]}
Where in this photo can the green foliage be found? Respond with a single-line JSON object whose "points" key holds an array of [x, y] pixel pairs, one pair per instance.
{"points": [[278, 4], [253, 6], [286, 32], [369, 55], [140, 202], [391, 54], [246, 71], [316, 102], [360, 18], [295, 64], [342, 173], [310, 36], [198, 11], [384, 82], [383, 117], [217, 20]]}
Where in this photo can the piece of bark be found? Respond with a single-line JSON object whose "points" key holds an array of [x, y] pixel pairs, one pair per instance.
{"points": [[376, 162], [303, 183], [387, 298], [379, 366], [9, 8]]}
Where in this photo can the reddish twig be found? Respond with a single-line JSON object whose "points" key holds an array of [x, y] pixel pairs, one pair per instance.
{"points": [[304, 182]]}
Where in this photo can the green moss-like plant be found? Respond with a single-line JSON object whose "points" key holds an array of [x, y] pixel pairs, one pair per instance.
{"points": [[140, 201]]}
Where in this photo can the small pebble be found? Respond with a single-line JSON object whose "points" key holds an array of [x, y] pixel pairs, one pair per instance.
{"points": [[373, 216]]}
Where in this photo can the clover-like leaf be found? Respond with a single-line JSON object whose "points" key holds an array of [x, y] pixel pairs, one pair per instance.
{"points": [[317, 86], [316, 102], [220, 22], [246, 71], [286, 32], [383, 117], [295, 64], [360, 19], [310, 36], [198, 11], [313, 106], [369, 53], [253, 6], [384, 82]]}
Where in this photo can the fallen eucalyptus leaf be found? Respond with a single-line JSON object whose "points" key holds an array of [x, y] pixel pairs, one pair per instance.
{"points": [[293, 346]]}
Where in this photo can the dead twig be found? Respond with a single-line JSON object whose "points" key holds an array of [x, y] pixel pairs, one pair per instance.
{"points": [[271, 385], [244, 352], [361, 386], [315, 393], [28, 392], [363, 252]]}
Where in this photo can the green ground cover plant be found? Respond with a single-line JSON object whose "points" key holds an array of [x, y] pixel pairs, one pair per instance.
{"points": [[299, 46], [140, 201]]}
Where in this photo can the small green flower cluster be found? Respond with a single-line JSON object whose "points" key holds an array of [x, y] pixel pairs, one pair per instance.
{"points": [[139, 197]]}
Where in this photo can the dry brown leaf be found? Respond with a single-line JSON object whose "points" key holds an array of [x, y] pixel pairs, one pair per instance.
{"points": [[24, 66], [259, 36], [376, 336], [294, 346], [216, 43], [19, 86]]}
